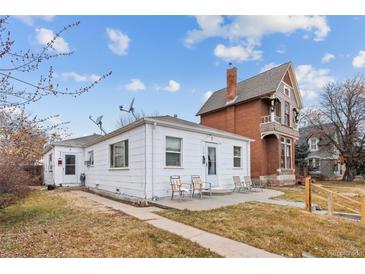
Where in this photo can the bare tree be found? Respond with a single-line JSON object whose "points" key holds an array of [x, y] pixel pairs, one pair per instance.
{"points": [[126, 119], [340, 117], [23, 136], [15, 89]]}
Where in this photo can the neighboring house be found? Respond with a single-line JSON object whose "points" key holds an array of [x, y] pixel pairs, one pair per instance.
{"points": [[323, 158], [264, 108], [137, 160]]}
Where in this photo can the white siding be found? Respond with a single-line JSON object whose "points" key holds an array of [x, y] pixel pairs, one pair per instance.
{"points": [[193, 148], [131, 180], [48, 178], [146, 175], [60, 151]]}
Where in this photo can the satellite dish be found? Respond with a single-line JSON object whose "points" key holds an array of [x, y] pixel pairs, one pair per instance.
{"points": [[130, 110], [131, 105], [98, 120], [99, 123]]}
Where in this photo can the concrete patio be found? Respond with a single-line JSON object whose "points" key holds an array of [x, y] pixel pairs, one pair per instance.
{"points": [[217, 201]]}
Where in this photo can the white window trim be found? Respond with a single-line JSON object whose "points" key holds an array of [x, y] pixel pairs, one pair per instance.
{"points": [[112, 167], [169, 151], [310, 144], [286, 87], [291, 152], [235, 157], [91, 163], [50, 162]]}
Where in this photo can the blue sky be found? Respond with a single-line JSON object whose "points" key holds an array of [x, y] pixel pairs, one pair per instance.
{"points": [[171, 63]]}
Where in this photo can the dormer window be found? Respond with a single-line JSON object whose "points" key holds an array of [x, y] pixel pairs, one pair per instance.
{"points": [[313, 144]]}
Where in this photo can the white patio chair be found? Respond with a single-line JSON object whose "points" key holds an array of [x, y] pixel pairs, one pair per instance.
{"points": [[251, 186], [178, 186], [239, 185], [200, 187]]}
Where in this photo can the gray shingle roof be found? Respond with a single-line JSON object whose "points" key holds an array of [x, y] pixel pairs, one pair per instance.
{"points": [[258, 85], [79, 142]]}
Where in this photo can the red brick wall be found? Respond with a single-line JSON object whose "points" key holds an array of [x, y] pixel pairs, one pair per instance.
{"points": [[247, 119], [287, 79], [272, 155]]}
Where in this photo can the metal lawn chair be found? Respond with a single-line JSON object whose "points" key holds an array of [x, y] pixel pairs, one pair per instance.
{"points": [[239, 185], [251, 185], [178, 186], [200, 187]]}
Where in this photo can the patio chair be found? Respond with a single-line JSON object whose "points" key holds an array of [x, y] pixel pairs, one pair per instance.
{"points": [[251, 185], [239, 185], [200, 187], [178, 186]]}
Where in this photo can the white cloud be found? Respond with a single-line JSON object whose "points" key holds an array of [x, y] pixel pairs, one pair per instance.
{"points": [[280, 51], [206, 96], [29, 19], [359, 60], [328, 57], [119, 42], [173, 86], [44, 36], [80, 77], [135, 85], [268, 66], [312, 80], [237, 53], [255, 27]]}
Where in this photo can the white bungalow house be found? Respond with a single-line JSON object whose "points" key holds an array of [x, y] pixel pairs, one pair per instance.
{"points": [[137, 160]]}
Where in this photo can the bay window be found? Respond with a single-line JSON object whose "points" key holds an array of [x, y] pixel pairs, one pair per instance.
{"points": [[286, 153]]}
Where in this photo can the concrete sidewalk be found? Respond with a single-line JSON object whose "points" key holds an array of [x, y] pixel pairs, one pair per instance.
{"points": [[220, 245]]}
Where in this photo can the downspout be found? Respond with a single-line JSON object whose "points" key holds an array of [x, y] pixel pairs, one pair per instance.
{"points": [[145, 161], [153, 160]]}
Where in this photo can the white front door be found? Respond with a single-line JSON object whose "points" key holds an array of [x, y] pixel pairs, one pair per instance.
{"points": [[70, 168], [211, 164]]}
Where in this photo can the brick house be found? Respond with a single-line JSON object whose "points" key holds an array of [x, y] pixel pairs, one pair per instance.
{"points": [[265, 108]]}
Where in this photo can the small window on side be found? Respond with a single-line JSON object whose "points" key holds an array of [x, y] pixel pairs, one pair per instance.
{"points": [[90, 158], [173, 152], [119, 154], [50, 163], [237, 155]]}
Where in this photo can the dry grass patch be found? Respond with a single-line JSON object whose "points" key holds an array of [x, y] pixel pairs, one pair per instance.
{"points": [[282, 230], [352, 190], [45, 225]]}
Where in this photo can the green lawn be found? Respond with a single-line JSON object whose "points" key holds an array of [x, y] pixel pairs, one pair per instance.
{"points": [[282, 230], [46, 225]]}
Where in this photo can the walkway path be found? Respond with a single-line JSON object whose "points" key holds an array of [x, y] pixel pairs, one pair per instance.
{"points": [[220, 245]]}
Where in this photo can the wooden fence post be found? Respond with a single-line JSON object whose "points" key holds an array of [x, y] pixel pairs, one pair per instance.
{"points": [[330, 204], [363, 211], [308, 194]]}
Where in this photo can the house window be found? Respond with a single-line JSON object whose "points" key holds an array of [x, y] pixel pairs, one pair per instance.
{"points": [[278, 109], [173, 152], [237, 156], [313, 144], [287, 114], [119, 154], [287, 91], [286, 153], [90, 158], [50, 163], [314, 164]]}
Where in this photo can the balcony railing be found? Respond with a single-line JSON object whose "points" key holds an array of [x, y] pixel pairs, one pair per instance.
{"points": [[272, 124], [270, 119]]}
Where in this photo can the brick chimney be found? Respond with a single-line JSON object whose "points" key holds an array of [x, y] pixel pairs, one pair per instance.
{"points": [[231, 90]]}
